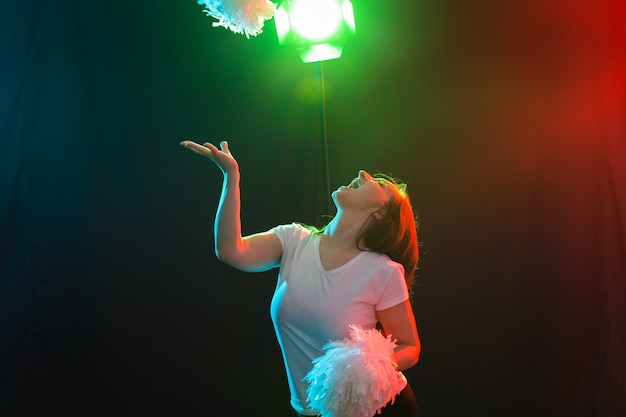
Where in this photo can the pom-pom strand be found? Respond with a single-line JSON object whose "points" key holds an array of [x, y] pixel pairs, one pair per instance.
{"points": [[240, 16]]}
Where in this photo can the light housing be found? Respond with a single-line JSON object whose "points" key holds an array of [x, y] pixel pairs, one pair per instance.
{"points": [[316, 28]]}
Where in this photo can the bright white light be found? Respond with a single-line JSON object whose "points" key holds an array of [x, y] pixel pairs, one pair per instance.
{"points": [[320, 52], [281, 20], [315, 19]]}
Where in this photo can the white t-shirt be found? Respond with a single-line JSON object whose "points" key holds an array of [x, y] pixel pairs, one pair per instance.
{"points": [[311, 306]]}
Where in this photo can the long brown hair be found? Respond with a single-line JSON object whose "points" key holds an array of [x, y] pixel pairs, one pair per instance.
{"points": [[395, 232]]}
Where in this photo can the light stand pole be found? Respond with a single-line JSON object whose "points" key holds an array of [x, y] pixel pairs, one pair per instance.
{"points": [[321, 94]]}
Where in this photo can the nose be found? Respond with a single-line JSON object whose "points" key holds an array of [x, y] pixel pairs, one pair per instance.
{"points": [[365, 175]]}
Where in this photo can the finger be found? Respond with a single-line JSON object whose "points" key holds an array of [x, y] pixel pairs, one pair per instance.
{"points": [[186, 143], [224, 146], [196, 148], [211, 147]]}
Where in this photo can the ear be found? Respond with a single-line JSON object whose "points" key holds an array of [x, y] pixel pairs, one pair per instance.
{"points": [[378, 214]]}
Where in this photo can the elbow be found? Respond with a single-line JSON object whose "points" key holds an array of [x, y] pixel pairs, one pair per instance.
{"points": [[223, 256], [416, 350], [415, 355], [230, 258], [407, 357]]}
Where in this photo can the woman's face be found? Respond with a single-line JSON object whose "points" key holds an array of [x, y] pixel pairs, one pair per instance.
{"points": [[364, 193]]}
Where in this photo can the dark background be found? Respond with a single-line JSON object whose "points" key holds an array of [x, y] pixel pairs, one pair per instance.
{"points": [[506, 118]]}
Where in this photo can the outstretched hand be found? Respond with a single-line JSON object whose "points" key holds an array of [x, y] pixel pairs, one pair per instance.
{"points": [[221, 157]]}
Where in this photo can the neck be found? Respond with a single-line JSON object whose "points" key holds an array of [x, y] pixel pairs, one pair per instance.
{"points": [[342, 231]]}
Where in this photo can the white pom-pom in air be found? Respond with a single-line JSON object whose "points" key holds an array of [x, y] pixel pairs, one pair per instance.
{"points": [[240, 16], [356, 376]]}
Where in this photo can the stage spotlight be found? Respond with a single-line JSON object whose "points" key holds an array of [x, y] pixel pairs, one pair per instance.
{"points": [[316, 28]]}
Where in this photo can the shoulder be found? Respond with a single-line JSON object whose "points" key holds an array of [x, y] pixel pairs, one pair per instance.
{"points": [[291, 231], [291, 228], [382, 263], [380, 259]]}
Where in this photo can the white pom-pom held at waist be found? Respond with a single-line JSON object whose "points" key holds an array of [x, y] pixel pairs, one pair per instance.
{"points": [[355, 377], [240, 16]]}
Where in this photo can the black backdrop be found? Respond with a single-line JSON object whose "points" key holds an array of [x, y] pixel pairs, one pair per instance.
{"points": [[506, 119]]}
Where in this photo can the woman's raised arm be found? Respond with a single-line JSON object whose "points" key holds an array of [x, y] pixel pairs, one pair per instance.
{"points": [[253, 253]]}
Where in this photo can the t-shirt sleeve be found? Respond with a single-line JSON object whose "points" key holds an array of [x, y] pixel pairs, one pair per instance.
{"points": [[285, 232], [395, 290], [290, 234]]}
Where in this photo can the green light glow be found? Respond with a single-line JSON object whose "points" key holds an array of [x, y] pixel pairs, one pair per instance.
{"points": [[348, 15], [317, 28]]}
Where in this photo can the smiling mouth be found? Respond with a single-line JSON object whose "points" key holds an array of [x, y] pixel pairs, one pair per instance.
{"points": [[354, 184]]}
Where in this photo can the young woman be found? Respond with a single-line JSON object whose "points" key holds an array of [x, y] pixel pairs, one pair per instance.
{"points": [[357, 270]]}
